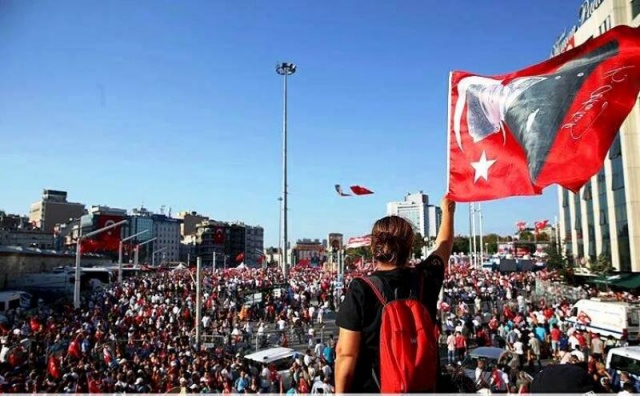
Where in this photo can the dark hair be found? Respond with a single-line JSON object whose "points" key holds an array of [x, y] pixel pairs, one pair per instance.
{"points": [[392, 240]]}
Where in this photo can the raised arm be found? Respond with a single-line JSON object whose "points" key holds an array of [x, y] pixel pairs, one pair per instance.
{"points": [[444, 241]]}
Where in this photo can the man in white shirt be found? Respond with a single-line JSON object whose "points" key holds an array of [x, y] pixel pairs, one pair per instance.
{"points": [[318, 348]]}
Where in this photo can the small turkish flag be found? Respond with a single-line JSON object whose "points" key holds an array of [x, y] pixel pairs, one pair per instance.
{"points": [[551, 123], [359, 190]]}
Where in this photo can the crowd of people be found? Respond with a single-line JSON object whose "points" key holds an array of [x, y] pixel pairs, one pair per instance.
{"points": [[486, 308], [138, 336]]}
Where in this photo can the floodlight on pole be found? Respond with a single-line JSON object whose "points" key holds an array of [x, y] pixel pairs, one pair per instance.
{"points": [[285, 69], [122, 241], [76, 288]]}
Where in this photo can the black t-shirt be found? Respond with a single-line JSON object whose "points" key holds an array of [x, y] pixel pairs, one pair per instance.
{"points": [[361, 311]]}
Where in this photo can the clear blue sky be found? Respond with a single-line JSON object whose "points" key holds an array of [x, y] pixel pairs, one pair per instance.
{"points": [[177, 103]]}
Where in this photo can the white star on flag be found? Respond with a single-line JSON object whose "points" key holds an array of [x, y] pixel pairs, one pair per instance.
{"points": [[482, 167]]}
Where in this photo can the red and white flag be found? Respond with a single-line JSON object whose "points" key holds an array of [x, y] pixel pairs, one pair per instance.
{"points": [[521, 225], [551, 123], [357, 242], [540, 225]]}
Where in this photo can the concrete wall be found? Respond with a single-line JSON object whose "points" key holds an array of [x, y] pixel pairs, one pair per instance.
{"points": [[13, 265]]}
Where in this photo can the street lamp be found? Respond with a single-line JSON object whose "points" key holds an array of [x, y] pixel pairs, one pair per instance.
{"points": [[76, 288], [153, 255], [135, 261], [120, 252], [285, 69]]}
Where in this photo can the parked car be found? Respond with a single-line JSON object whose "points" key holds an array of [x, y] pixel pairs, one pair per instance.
{"points": [[282, 358]]}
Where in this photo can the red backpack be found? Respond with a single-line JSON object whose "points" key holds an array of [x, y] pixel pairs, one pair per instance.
{"points": [[408, 345]]}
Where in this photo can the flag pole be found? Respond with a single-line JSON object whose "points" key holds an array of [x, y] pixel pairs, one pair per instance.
{"points": [[481, 235], [449, 132], [470, 235]]}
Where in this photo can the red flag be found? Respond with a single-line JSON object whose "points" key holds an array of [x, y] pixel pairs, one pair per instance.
{"points": [[218, 236], [521, 225], [551, 123], [74, 348], [359, 190], [53, 366], [240, 257], [35, 325], [540, 225]]}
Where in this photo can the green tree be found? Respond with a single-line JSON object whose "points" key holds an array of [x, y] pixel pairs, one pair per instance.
{"points": [[526, 236], [602, 265], [543, 237], [360, 251], [461, 244], [491, 242], [418, 244], [555, 261]]}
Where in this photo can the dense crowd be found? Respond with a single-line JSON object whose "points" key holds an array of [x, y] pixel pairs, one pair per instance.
{"points": [[139, 337], [486, 308]]}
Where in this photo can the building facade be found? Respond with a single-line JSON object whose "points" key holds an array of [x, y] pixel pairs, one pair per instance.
{"points": [[233, 243], [604, 217], [27, 239], [435, 219], [189, 222], [53, 209], [141, 220], [415, 209], [166, 247], [254, 242], [14, 221]]}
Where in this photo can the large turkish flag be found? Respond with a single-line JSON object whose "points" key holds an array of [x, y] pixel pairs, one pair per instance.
{"points": [[551, 123]]}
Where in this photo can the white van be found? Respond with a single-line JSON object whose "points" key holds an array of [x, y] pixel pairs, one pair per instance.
{"points": [[282, 358], [10, 300], [607, 318], [625, 359]]}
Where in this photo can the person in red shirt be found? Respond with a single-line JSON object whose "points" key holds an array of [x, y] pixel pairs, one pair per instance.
{"points": [[461, 346], [555, 334]]}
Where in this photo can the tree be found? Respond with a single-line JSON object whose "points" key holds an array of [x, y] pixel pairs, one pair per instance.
{"points": [[542, 237], [491, 243], [418, 245], [526, 236], [460, 244], [360, 251], [555, 261], [602, 265]]}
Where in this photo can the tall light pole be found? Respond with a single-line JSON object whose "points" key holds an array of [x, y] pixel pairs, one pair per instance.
{"points": [[122, 241], [76, 288], [280, 232], [285, 69]]}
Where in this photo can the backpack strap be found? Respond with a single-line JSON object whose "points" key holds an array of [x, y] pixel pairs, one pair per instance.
{"points": [[376, 286]]}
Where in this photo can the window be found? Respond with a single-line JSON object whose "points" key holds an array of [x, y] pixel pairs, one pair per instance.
{"points": [[616, 148], [605, 25], [635, 8]]}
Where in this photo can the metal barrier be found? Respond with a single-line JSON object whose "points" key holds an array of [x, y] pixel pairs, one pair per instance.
{"points": [[555, 293]]}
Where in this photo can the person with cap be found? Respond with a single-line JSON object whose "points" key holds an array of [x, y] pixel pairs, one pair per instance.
{"points": [[564, 378]]}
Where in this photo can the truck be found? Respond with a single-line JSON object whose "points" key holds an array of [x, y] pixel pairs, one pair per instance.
{"points": [[620, 320]]}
